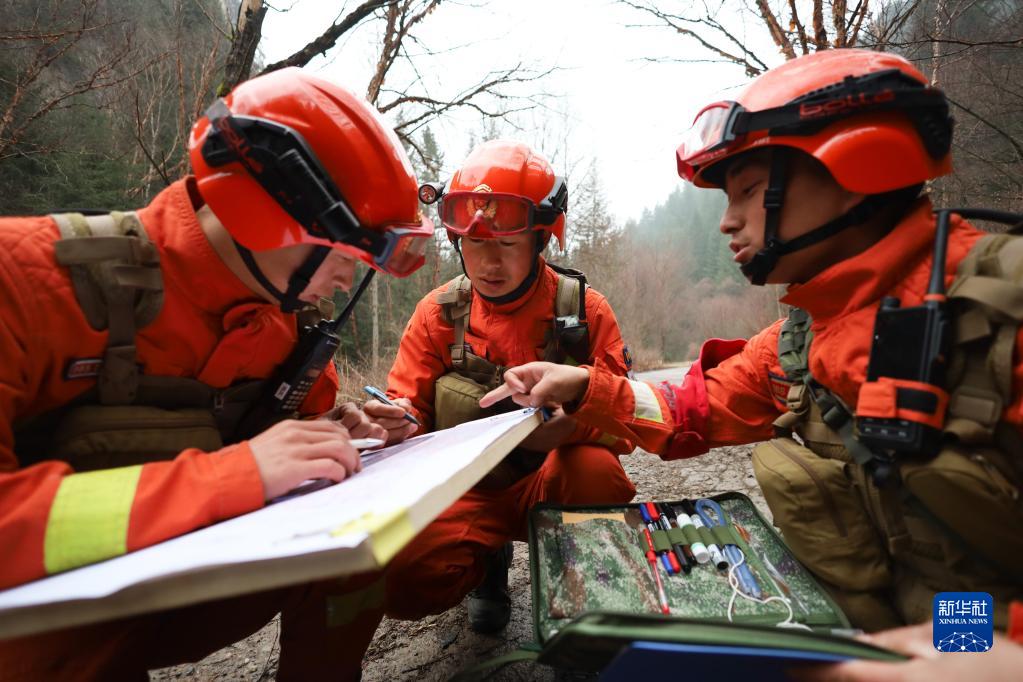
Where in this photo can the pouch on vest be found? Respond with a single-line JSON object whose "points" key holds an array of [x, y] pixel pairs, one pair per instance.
{"points": [[456, 400], [593, 592], [128, 418], [820, 517], [965, 492], [102, 437]]}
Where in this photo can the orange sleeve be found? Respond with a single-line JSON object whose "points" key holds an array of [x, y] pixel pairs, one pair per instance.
{"points": [[606, 347], [170, 498], [742, 407], [725, 399], [323, 394], [417, 366]]}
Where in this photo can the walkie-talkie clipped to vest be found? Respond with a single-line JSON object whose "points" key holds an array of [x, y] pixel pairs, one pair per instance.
{"points": [[297, 374], [902, 405]]}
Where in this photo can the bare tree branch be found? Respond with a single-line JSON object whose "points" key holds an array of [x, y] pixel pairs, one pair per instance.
{"points": [[774, 28], [246, 36], [330, 37]]}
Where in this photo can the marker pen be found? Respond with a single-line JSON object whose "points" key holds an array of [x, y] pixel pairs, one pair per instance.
{"points": [[715, 552]]}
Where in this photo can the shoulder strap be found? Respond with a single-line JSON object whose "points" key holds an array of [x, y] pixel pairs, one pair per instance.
{"points": [[987, 296], [835, 416], [456, 305], [115, 271], [571, 297], [569, 340], [794, 344]]}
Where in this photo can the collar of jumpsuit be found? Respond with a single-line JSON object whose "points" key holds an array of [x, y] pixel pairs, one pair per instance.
{"points": [[210, 320], [512, 306], [514, 333], [865, 278], [210, 284]]}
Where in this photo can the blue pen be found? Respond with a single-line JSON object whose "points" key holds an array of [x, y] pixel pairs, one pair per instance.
{"points": [[716, 517], [382, 397], [649, 521]]}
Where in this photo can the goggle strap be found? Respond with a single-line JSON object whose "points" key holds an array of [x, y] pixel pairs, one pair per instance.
{"points": [[554, 204], [288, 304], [299, 279], [791, 119]]}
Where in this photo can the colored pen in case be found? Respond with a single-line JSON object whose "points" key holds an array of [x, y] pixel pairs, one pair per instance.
{"points": [[698, 549], [668, 560], [677, 557], [685, 555], [651, 556]]}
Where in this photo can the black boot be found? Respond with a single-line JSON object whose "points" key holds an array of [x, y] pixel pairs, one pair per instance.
{"points": [[489, 604]]}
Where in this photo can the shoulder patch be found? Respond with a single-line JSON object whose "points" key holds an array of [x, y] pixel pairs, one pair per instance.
{"points": [[83, 368]]}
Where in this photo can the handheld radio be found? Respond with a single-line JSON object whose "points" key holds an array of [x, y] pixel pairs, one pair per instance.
{"points": [[902, 404], [295, 377]]}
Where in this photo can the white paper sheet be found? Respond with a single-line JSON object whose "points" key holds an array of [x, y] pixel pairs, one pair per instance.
{"points": [[393, 480]]}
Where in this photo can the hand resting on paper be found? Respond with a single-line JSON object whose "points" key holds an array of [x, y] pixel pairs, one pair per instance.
{"points": [[553, 433], [1002, 663], [537, 384], [293, 451]]}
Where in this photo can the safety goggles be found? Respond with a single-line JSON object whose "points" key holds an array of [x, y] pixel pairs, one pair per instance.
{"points": [[284, 165], [495, 214], [723, 127]]}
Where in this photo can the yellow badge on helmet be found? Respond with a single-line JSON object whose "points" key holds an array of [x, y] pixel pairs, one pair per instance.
{"points": [[488, 207]]}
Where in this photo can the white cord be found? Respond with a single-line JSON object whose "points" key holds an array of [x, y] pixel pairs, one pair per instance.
{"points": [[733, 582]]}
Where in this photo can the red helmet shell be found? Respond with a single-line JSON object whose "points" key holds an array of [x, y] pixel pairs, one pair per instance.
{"points": [[356, 147], [869, 153]]}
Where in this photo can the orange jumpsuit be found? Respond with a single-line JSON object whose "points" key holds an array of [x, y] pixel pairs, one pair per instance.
{"points": [[736, 389], [446, 560], [211, 328]]}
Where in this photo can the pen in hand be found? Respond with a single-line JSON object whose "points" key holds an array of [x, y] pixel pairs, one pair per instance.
{"points": [[382, 397]]}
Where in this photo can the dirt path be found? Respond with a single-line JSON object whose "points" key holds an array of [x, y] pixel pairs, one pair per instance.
{"points": [[436, 647]]}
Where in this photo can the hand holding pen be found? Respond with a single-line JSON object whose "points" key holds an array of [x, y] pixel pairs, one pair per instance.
{"points": [[393, 415]]}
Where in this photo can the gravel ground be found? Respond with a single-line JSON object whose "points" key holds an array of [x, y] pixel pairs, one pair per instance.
{"points": [[438, 646]]}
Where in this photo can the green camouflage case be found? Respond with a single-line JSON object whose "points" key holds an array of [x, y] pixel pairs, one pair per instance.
{"points": [[594, 593], [586, 559]]}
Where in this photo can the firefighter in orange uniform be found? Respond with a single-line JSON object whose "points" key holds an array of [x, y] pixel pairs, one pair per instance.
{"points": [[155, 333], [905, 384], [511, 307]]}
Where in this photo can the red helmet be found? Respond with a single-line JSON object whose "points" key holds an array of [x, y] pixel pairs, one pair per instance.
{"points": [[504, 187], [869, 117], [289, 158]]}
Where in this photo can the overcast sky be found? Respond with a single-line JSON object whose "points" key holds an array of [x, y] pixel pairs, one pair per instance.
{"points": [[608, 102]]}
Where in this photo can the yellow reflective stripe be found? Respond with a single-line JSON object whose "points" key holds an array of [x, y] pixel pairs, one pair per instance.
{"points": [[89, 518], [647, 406]]}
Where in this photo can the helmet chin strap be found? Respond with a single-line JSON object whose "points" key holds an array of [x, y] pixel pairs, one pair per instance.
{"points": [[765, 260], [523, 287], [297, 283]]}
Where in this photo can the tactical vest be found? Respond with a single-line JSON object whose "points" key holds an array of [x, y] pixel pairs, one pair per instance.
{"points": [[127, 418], [458, 392], [949, 523]]}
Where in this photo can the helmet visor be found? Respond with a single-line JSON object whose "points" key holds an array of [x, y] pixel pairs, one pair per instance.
{"points": [[486, 214], [405, 249], [710, 135]]}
